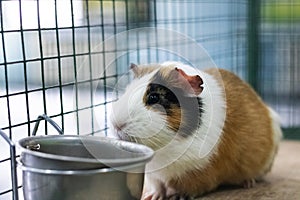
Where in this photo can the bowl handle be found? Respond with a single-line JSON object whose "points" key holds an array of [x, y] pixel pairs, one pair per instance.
{"points": [[13, 165], [50, 121]]}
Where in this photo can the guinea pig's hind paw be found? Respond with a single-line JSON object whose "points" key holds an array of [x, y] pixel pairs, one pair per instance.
{"points": [[249, 183]]}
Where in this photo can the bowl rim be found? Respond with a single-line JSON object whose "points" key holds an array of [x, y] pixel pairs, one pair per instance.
{"points": [[125, 168], [146, 152]]}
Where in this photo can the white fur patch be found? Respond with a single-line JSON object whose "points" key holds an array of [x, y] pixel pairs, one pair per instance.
{"points": [[177, 155], [277, 136], [195, 151], [130, 113]]}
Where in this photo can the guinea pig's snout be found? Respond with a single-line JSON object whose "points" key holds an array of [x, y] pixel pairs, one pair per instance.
{"points": [[119, 126], [119, 129]]}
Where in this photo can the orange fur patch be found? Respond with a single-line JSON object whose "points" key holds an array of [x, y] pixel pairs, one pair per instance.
{"points": [[246, 142]]}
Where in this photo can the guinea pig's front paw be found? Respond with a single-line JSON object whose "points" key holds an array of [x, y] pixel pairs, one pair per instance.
{"points": [[157, 193], [166, 194], [179, 197], [172, 194], [154, 196], [161, 196]]}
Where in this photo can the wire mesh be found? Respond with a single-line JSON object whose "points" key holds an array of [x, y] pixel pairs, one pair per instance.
{"points": [[279, 34], [53, 59]]}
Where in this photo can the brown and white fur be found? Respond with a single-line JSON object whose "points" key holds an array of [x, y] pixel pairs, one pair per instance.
{"points": [[218, 131]]}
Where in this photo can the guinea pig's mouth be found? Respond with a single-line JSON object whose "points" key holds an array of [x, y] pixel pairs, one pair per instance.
{"points": [[119, 127], [120, 132], [121, 135], [124, 135], [127, 136]]}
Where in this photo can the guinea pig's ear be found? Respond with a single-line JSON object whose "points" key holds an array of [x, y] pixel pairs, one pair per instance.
{"points": [[135, 69], [187, 82]]}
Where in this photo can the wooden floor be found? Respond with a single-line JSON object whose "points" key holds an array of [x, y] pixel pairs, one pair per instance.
{"points": [[283, 183]]}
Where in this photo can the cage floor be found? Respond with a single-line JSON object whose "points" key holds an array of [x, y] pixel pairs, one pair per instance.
{"points": [[282, 183]]}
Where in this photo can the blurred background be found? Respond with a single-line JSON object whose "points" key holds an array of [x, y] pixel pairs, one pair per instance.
{"points": [[53, 58]]}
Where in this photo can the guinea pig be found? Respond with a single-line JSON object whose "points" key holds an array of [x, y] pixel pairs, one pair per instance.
{"points": [[208, 128]]}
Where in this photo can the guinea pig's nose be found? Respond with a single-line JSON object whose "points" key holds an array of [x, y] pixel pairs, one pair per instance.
{"points": [[119, 126]]}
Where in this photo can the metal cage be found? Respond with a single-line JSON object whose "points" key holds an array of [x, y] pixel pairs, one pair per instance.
{"points": [[63, 59]]}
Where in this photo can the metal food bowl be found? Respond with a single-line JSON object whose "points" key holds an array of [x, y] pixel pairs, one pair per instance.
{"points": [[122, 183], [79, 167], [80, 152], [82, 167]]}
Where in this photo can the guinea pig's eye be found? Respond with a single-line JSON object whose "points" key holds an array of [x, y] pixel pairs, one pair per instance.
{"points": [[153, 98]]}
